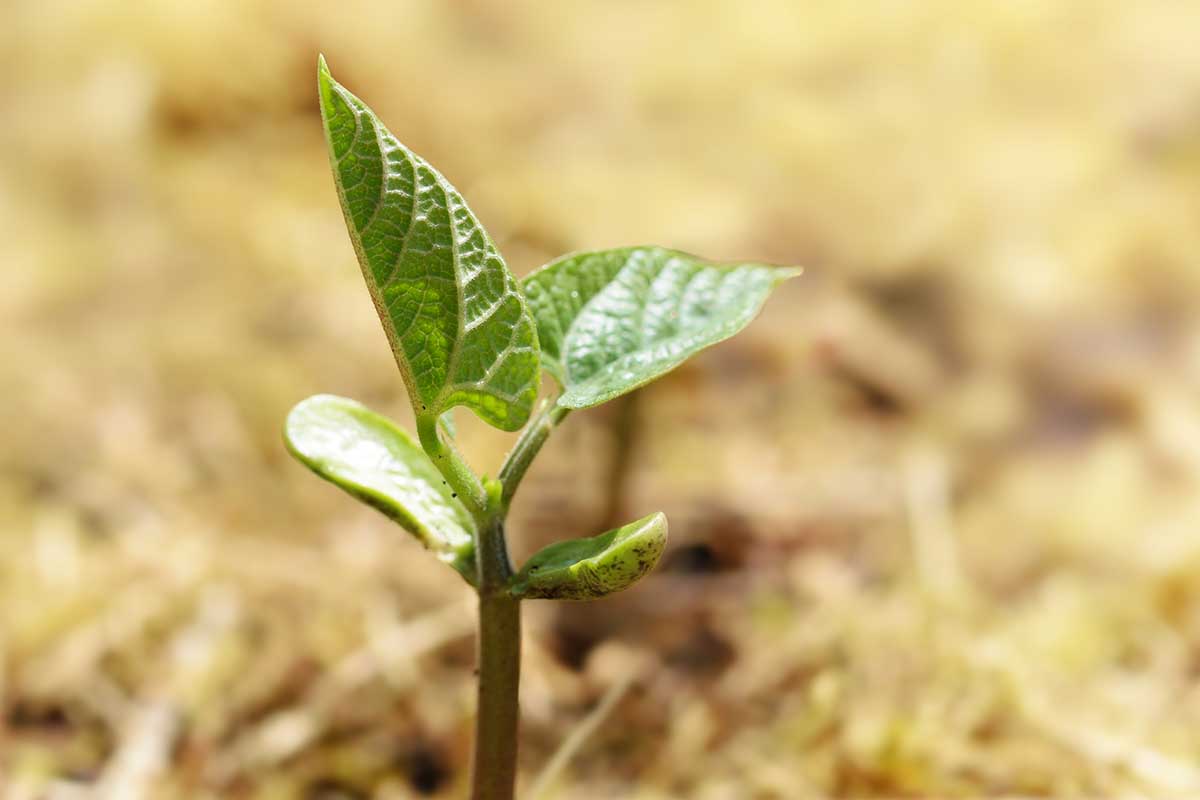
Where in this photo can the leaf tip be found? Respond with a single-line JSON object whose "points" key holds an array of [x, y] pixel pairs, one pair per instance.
{"points": [[651, 534], [324, 82], [300, 420], [787, 273]]}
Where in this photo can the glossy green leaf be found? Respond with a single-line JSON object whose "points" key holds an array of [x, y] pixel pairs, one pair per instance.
{"points": [[457, 322], [585, 569], [610, 321], [367, 455]]}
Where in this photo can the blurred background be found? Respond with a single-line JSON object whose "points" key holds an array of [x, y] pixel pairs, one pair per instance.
{"points": [[935, 516]]}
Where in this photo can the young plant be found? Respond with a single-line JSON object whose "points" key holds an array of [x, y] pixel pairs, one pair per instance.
{"points": [[465, 332]]}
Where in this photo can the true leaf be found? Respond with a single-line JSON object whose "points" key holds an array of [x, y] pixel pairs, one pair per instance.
{"points": [[367, 455], [585, 569], [610, 321], [456, 320]]}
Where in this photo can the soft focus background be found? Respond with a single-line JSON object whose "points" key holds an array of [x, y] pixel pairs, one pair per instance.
{"points": [[935, 516]]}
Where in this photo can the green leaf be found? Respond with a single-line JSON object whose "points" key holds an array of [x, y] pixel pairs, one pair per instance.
{"points": [[610, 321], [457, 322], [365, 454], [585, 569]]}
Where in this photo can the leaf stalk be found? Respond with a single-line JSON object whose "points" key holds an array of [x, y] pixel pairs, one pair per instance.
{"points": [[526, 449], [454, 469]]}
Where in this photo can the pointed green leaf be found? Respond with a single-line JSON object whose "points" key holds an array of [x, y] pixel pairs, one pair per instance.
{"points": [[456, 320], [365, 454], [610, 321], [585, 569]]}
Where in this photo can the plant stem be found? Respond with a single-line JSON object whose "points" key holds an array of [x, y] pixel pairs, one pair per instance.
{"points": [[456, 472], [522, 455], [494, 765]]}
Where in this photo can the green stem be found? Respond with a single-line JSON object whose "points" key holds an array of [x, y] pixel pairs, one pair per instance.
{"points": [[461, 478], [527, 447], [494, 765]]}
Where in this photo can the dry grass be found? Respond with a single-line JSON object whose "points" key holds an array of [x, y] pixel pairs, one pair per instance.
{"points": [[936, 518]]}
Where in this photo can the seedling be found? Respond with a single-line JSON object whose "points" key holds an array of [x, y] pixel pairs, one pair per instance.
{"points": [[465, 332]]}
